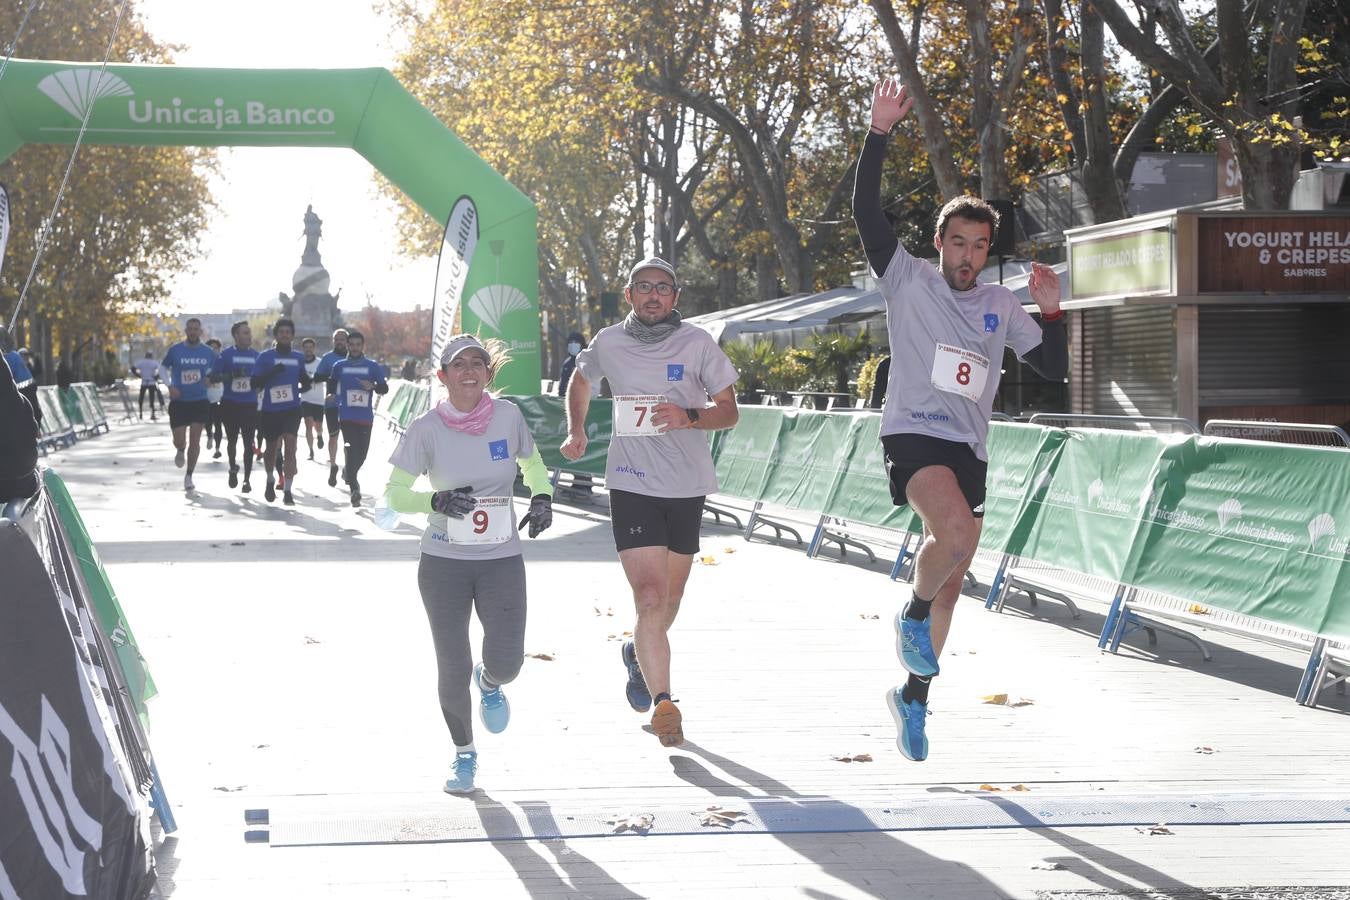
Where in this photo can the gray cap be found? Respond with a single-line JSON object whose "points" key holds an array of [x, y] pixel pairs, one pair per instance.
{"points": [[654, 262], [458, 344]]}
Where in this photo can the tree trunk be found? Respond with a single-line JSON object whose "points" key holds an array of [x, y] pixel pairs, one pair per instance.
{"points": [[1098, 171]]}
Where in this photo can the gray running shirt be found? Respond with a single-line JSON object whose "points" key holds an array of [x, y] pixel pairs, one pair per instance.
{"points": [[947, 351], [686, 368], [486, 462]]}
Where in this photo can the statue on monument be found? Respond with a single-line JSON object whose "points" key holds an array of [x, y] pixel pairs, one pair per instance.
{"points": [[313, 308]]}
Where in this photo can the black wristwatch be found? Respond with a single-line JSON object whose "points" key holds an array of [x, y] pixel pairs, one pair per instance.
{"points": [[693, 416]]}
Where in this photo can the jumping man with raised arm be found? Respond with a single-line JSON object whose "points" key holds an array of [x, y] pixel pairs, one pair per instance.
{"points": [[659, 468], [947, 333]]}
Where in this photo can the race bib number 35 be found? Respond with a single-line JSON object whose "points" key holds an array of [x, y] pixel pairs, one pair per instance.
{"points": [[633, 415], [959, 371], [281, 394], [488, 523], [358, 398]]}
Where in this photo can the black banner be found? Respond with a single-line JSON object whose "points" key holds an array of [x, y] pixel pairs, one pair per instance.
{"points": [[72, 768]]}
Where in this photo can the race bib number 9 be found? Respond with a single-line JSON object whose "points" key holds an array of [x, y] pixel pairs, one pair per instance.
{"points": [[190, 376], [633, 415], [358, 398], [282, 393], [488, 523], [241, 385], [959, 371]]}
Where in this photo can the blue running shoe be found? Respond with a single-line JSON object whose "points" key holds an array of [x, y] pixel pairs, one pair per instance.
{"points": [[494, 710], [909, 719], [462, 771], [914, 646], [638, 696]]}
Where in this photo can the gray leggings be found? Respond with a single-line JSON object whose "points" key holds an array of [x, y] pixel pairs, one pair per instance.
{"points": [[451, 588]]}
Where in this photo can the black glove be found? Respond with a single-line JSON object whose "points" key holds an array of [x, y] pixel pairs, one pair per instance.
{"points": [[278, 368], [540, 516], [456, 504]]}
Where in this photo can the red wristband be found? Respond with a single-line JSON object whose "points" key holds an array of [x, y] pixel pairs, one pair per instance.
{"points": [[1052, 317]]}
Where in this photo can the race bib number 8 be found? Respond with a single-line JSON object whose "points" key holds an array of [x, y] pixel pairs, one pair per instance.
{"points": [[190, 376], [241, 385], [633, 415], [488, 523], [281, 394], [959, 371], [358, 398]]}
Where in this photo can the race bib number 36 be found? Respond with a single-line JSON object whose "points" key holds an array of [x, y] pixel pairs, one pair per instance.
{"points": [[358, 398], [959, 371], [241, 385], [281, 394], [633, 415], [488, 523]]}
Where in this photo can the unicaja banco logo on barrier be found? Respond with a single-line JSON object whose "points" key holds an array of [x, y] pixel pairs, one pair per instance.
{"points": [[494, 302], [1324, 526], [1229, 511], [77, 90]]}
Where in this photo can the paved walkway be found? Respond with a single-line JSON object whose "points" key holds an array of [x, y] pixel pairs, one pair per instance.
{"points": [[296, 673]]}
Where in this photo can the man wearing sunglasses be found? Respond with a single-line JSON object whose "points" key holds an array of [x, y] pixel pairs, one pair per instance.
{"points": [[670, 383]]}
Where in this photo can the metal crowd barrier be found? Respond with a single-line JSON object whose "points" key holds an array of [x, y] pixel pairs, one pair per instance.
{"points": [[1279, 432]]}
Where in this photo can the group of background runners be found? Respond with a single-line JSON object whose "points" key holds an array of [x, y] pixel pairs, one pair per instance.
{"points": [[947, 334], [237, 394]]}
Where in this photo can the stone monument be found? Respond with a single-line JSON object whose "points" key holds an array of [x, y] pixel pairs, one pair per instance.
{"points": [[314, 309]]}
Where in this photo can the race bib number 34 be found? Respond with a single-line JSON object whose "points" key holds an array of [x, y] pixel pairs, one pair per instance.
{"points": [[488, 523], [358, 398], [959, 371], [633, 415]]}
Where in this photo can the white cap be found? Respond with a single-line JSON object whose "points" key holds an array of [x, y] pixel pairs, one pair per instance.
{"points": [[654, 262], [458, 344]]}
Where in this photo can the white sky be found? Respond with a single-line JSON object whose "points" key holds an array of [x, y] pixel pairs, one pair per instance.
{"points": [[254, 242]]}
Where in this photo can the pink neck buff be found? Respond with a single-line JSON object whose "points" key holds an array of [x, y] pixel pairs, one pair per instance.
{"points": [[475, 421]]}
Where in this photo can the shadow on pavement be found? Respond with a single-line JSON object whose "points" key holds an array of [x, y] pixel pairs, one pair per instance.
{"points": [[584, 878]]}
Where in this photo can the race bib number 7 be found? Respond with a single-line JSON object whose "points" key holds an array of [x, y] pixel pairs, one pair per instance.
{"points": [[959, 371], [488, 523], [633, 415]]}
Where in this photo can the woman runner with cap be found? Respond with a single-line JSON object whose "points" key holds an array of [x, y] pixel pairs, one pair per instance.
{"points": [[469, 446]]}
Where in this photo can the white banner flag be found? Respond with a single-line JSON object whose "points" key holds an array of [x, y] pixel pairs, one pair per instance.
{"points": [[4, 223], [452, 271]]}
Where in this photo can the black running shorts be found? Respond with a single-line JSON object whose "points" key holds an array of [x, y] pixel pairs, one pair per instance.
{"points": [[239, 415], [183, 413], [312, 411], [642, 521], [330, 415], [275, 423], [906, 454]]}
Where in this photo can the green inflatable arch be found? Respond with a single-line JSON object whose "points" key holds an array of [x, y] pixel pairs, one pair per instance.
{"points": [[489, 266]]}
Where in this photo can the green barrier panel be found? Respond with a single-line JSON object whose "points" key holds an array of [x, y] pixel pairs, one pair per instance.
{"points": [[862, 490], [51, 406], [1252, 528], [747, 452], [493, 279], [70, 405], [399, 402], [809, 456], [418, 403], [1087, 516], [93, 404], [1021, 461], [134, 670], [547, 421]]}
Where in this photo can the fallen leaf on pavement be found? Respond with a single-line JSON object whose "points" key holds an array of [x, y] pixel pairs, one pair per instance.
{"points": [[717, 817], [1160, 828], [866, 616], [547, 657], [237, 787], [728, 549], [1205, 750], [856, 757], [1006, 700], [1048, 866], [310, 640], [988, 787], [708, 560], [1197, 609], [638, 824], [1019, 787], [236, 543]]}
